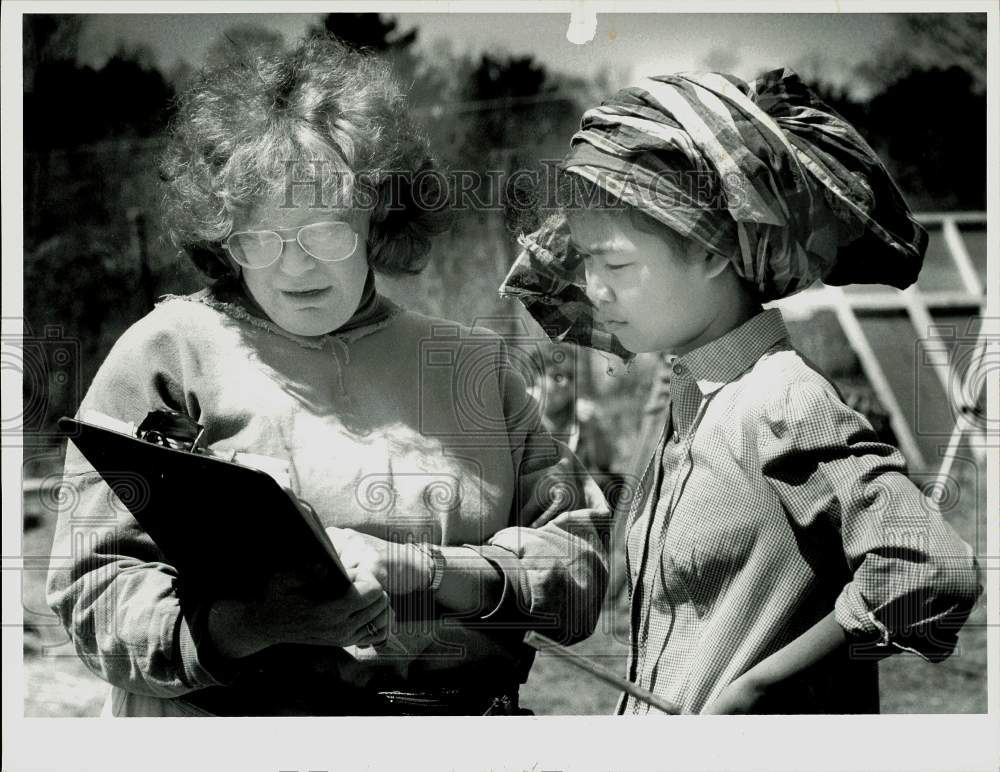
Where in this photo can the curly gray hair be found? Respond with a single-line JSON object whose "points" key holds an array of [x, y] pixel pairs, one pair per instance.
{"points": [[322, 116]]}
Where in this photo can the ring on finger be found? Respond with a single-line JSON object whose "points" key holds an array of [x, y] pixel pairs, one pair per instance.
{"points": [[372, 630]]}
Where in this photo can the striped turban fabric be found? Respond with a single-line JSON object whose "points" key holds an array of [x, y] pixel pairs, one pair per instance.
{"points": [[764, 174]]}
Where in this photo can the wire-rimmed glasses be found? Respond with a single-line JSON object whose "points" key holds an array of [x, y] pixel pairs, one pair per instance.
{"points": [[328, 242]]}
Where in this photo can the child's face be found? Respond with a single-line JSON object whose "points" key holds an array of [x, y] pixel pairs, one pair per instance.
{"points": [[646, 293], [554, 386], [559, 387]]}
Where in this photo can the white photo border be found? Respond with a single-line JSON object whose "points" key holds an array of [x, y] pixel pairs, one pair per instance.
{"points": [[968, 742]]}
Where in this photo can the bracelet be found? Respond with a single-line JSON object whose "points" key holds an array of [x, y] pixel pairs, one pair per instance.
{"points": [[437, 563]]}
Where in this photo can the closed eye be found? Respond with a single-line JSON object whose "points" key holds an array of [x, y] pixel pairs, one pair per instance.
{"points": [[617, 266]]}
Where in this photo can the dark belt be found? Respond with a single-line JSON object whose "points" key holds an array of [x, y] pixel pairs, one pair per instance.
{"points": [[447, 702]]}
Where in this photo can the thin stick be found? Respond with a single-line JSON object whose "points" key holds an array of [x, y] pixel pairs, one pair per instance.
{"points": [[547, 645]]}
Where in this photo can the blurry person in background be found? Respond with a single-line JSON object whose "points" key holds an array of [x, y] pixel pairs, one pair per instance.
{"points": [[566, 414], [576, 420], [555, 383]]}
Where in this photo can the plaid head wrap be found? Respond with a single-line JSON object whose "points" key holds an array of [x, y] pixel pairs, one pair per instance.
{"points": [[764, 174]]}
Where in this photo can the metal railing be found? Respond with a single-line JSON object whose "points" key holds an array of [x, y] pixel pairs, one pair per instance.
{"points": [[851, 307]]}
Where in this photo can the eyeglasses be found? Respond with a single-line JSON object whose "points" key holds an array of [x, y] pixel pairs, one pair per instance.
{"points": [[329, 242]]}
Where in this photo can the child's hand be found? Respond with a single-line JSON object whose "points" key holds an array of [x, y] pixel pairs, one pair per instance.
{"points": [[741, 696]]}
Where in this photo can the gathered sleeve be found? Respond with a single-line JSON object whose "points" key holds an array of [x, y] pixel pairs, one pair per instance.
{"points": [[914, 580], [553, 555], [108, 582]]}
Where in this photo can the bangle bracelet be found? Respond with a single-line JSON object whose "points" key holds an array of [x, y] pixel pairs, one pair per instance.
{"points": [[437, 564]]}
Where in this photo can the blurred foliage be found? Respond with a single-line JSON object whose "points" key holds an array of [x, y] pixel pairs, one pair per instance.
{"points": [[95, 258], [367, 31], [240, 42], [926, 111], [930, 41], [929, 127], [67, 105]]}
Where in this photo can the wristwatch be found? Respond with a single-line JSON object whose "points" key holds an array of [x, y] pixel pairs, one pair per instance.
{"points": [[437, 563]]}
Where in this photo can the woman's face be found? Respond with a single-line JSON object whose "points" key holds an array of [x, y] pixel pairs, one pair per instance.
{"points": [[652, 297], [299, 293]]}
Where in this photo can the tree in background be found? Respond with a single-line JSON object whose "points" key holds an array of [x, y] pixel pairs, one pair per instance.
{"points": [[91, 137], [928, 107], [67, 105], [926, 111], [49, 38], [931, 124], [495, 115], [378, 34], [241, 41], [369, 31], [930, 41]]}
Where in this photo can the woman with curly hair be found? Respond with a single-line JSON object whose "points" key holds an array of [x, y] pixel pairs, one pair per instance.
{"points": [[289, 180]]}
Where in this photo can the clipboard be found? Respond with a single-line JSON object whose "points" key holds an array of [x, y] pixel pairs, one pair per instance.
{"points": [[226, 527]]}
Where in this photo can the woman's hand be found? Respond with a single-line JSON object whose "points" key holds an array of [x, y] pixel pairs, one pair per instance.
{"points": [[741, 696], [399, 568], [285, 614]]}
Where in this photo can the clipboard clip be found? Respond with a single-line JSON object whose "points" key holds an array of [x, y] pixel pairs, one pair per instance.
{"points": [[171, 429], [178, 431]]}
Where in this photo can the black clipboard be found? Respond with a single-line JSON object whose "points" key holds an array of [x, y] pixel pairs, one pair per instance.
{"points": [[226, 528]]}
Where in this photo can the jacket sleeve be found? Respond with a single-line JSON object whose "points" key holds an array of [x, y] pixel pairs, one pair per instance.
{"points": [[553, 555], [914, 580], [108, 581]]}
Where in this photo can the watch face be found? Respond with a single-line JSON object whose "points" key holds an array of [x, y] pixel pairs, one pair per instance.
{"points": [[437, 564], [438, 572]]}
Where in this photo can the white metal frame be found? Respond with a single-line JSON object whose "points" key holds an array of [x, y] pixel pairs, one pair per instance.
{"points": [[918, 305]]}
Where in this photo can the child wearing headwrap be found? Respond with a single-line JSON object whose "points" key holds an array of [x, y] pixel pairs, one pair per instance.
{"points": [[775, 548]]}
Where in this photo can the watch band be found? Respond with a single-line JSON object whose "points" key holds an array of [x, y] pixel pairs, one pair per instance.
{"points": [[437, 563]]}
